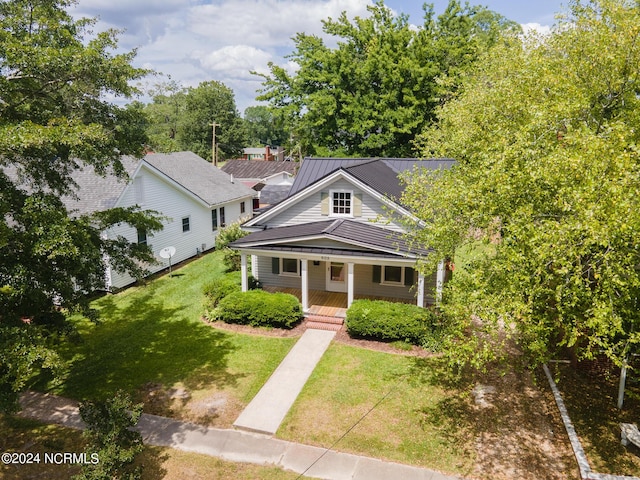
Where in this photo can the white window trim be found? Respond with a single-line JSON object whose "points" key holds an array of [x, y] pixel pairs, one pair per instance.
{"points": [[390, 283], [331, 212], [290, 274]]}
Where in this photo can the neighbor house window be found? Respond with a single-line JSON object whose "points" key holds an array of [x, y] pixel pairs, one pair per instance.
{"points": [[142, 236], [223, 221], [186, 224], [242, 207], [341, 203], [214, 219], [289, 266]]}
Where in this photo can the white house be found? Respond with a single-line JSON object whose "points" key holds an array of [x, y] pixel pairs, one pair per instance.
{"points": [[340, 230], [196, 197]]}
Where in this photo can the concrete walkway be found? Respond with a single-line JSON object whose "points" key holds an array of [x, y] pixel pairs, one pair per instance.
{"points": [[237, 446], [265, 412]]}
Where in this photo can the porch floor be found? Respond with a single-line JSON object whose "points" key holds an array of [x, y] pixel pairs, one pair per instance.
{"points": [[329, 304]]}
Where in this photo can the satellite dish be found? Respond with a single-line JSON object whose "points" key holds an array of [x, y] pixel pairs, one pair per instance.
{"points": [[168, 252]]}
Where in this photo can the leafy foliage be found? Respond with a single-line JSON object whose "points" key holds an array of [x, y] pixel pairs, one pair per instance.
{"points": [[111, 436], [181, 119], [259, 309], [225, 236], [374, 92], [549, 199], [53, 121], [264, 127], [389, 321]]}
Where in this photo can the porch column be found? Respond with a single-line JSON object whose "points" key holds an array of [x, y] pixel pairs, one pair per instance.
{"points": [[440, 281], [304, 274], [420, 290], [254, 266], [243, 272], [349, 284]]}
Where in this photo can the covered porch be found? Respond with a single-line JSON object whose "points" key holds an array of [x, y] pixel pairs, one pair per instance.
{"points": [[328, 304]]}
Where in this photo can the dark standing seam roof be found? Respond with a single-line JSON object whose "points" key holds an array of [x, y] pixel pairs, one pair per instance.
{"points": [[379, 173], [367, 235]]}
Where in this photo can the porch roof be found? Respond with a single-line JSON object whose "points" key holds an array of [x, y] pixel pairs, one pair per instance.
{"points": [[360, 239]]}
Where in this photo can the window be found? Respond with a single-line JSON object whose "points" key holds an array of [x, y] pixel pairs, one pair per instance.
{"points": [[256, 203], [214, 219], [223, 222], [186, 224], [242, 207], [341, 203], [392, 274], [142, 237], [289, 266]]}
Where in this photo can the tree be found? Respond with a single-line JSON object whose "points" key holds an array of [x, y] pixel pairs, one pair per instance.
{"points": [[112, 443], [181, 119], [544, 197], [53, 120], [264, 127], [374, 92]]}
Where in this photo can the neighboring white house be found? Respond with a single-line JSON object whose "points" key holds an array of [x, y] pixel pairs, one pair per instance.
{"points": [[196, 197], [340, 230]]}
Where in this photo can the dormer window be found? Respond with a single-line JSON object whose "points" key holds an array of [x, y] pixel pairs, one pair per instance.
{"points": [[341, 203]]}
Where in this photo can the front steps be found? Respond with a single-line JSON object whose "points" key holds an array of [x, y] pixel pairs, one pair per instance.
{"points": [[320, 322]]}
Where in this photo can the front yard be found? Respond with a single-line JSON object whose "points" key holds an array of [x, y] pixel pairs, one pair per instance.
{"points": [[152, 342]]}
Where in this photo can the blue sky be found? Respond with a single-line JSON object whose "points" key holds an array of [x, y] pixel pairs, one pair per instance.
{"points": [[191, 41]]}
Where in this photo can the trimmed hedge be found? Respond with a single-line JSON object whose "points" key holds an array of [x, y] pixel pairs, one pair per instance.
{"points": [[259, 308], [388, 321]]}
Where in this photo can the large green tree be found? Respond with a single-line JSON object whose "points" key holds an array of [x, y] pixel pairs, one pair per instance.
{"points": [[264, 127], [54, 79], [378, 88], [182, 119], [544, 202]]}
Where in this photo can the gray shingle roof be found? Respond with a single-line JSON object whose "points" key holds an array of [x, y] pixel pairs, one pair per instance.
{"points": [[257, 169], [198, 176], [348, 231], [272, 194], [96, 193]]}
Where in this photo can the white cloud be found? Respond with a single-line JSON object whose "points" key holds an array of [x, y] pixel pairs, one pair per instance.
{"points": [[535, 27], [234, 61]]}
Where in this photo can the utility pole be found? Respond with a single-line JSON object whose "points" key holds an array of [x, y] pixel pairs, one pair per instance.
{"points": [[213, 143]]}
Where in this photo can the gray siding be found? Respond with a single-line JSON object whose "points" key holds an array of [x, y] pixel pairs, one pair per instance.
{"points": [[308, 209], [363, 282]]}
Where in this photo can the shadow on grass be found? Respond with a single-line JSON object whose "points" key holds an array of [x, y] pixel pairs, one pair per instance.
{"points": [[499, 416], [591, 400], [150, 339]]}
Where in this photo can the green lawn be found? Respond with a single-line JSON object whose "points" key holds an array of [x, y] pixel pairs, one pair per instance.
{"points": [[416, 423], [152, 336]]}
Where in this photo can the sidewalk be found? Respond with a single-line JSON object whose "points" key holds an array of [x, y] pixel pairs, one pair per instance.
{"points": [[236, 446], [265, 412]]}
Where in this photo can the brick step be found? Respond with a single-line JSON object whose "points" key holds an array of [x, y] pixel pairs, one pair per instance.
{"points": [[324, 326], [324, 319]]}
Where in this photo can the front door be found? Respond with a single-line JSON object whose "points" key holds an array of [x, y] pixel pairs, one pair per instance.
{"points": [[336, 277]]}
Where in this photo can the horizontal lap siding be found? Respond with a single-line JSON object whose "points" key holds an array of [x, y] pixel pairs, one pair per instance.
{"points": [[308, 209], [363, 281], [163, 197]]}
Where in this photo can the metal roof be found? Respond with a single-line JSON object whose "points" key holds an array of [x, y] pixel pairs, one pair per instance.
{"points": [[359, 234], [379, 173], [258, 169]]}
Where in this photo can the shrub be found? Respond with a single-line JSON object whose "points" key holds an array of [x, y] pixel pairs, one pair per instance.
{"points": [[390, 321], [219, 288], [259, 308], [226, 235]]}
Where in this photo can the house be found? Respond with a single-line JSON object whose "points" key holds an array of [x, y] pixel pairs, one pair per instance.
{"points": [[272, 180], [263, 153], [196, 198], [340, 229]]}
